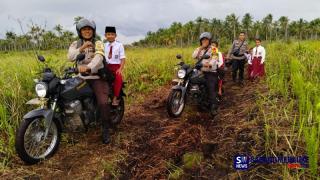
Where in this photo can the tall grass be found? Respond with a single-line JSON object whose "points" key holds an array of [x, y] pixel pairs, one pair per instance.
{"points": [[145, 69], [293, 71]]}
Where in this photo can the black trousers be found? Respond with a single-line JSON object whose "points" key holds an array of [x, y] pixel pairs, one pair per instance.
{"points": [[238, 65], [211, 82]]}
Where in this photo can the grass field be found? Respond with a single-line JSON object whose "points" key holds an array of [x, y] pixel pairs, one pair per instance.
{"points": [[146, 69], [293, 76]]}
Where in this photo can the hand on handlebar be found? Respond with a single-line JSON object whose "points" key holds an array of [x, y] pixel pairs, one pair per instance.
{"points": [[83, 69], [70, 70]]}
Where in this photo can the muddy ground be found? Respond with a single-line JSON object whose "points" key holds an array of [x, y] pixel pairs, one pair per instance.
{"points": [[150, 145]]}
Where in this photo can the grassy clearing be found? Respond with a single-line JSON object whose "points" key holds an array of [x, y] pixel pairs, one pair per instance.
{"points": [[291, 109], [146, 69]]}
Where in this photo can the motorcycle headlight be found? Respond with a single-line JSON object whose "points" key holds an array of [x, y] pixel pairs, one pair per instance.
{"points": [[181, 73], [41, 90]]}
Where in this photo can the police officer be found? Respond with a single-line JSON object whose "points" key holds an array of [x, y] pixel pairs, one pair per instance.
{"points": [[236, 53], [210, 73], [94, 56]]}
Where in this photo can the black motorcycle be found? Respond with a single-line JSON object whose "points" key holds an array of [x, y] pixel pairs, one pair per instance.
{"points": [[189, 87], [63, 103]]}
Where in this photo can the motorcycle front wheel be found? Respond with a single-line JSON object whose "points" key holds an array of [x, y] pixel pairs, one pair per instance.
{"points": [[175, 103], [32, 145]]}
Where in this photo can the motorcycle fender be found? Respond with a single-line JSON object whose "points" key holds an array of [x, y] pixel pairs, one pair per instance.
{"points": [[183, 89], [34, 101], [178, 87], [46, 113]]}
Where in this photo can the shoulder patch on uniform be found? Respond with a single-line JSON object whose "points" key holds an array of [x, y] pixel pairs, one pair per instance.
{"points": [[99, 47]]}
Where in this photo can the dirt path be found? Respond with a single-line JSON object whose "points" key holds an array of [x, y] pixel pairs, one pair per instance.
{"points": [[163, 140], [148, 143]]}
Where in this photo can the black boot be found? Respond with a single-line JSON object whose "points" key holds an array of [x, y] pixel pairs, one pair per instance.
{"points": [[241, 83], [105, 135], [213, 110], [234, 77]]}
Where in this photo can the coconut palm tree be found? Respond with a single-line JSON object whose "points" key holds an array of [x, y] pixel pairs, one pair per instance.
{"points": [[247, 21], [267, 22], [232, 22], [77, 19], [284, 23]]}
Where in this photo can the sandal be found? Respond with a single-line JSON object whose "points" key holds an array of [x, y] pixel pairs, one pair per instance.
{"points": [[115, 102]]}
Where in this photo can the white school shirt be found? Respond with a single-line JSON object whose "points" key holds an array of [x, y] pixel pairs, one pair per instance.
{"points": [[249, 58], [260, 52], [117, 52], [220, 60]]}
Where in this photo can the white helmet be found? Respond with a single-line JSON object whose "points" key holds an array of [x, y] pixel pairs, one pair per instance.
{"points": [[85, 23], [206, 35]]}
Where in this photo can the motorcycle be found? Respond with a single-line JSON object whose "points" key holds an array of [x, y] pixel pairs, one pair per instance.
{"points": [[189, 87], [61, 101]]}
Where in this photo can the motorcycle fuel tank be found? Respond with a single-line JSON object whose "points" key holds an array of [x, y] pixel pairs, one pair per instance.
{"points": [[76, 88]]}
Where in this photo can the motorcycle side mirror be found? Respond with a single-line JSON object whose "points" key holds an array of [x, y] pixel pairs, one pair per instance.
{"points": [[178, 56], [80, 57], [41, 58], [206, 56]]}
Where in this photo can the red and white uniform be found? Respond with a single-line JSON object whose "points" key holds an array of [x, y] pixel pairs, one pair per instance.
{"points": [[258, 59], [114, 53]]}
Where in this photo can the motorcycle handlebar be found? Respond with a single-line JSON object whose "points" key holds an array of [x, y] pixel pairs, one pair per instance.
{"points": [[71, 70]]}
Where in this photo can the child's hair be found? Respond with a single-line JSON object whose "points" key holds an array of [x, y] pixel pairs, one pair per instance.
{"points": [[215, 42], [249, 50]]}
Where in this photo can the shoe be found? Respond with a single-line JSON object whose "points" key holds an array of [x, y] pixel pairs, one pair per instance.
{"points": [[105, 136], [213, 110], [241, 83]]}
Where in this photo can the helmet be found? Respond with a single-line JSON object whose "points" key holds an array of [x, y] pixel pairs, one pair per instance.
{"points": [[85, 23], [205, 35]]}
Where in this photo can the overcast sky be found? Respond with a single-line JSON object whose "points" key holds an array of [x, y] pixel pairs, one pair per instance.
{"points": [[134, 18]]}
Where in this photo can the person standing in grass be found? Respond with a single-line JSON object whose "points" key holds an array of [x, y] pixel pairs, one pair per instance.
{"points": [[115, 57], [258, 59], [236, 55]]}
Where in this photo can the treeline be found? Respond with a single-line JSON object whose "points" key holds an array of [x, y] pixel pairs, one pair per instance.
{"points": [[37, 37], [177, 34], [226, 30]]}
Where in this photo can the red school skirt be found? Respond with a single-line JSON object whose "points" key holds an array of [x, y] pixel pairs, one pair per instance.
{"points": [[257, 69]]}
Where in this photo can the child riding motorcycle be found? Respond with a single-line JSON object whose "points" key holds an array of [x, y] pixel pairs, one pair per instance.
{"points": [[114, 51]]}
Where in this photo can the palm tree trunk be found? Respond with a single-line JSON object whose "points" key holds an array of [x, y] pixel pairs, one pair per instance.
{"points": [[286, 32]]}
